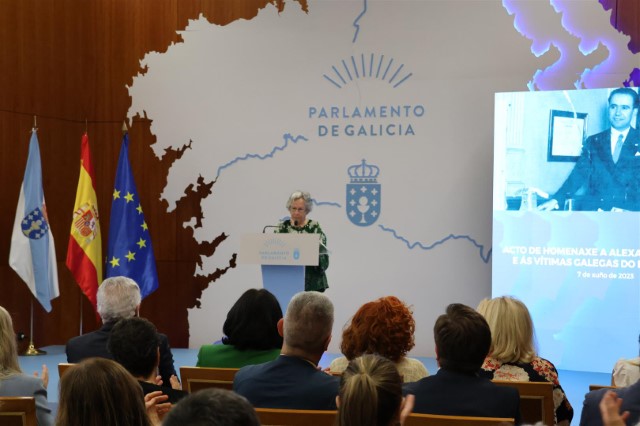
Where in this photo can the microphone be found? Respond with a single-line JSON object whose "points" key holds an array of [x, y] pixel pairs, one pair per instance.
{"points": [[264, 230], [295, 223]]}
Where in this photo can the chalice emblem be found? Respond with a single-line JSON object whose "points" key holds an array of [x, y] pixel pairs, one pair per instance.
{"points": [[363, 194]]}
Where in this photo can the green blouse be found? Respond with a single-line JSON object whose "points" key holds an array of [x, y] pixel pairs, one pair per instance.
{"points": [[315, 279], [227, 356]]}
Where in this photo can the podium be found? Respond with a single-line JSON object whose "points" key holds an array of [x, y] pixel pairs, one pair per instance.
{"points": [[283, 258]]}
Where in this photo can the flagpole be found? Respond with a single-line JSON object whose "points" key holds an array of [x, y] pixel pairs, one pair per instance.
{"points": [[81, 297], [31, 351]]}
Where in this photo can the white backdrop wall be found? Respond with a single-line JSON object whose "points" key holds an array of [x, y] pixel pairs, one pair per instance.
{"points": [[250, 95]]}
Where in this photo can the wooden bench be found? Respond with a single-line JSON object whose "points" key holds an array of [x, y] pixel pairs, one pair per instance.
{"points": [[18, 411], [536, 401], [196, 378]]}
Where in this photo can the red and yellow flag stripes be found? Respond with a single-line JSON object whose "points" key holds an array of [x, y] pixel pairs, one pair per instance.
{"points": [[84, 254]]}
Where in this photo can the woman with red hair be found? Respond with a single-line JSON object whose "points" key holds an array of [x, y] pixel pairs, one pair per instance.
{"points": [[384, 327]]}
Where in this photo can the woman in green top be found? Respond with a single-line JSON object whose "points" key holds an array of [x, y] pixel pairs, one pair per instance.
{"points": [[250, 333], [299, 205]]}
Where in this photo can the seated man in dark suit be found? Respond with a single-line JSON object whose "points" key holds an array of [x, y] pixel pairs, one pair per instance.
{"points": [[463, 339], [630, 402], [135, 345], [293, 380], [118, 297]]}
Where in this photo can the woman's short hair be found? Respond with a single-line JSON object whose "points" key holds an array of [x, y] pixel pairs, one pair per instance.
{"points": [[98, 392], [252, 322], [370, 392], [9, 364], [297, 195], [384, 326], [512, 336], [118, 297]]}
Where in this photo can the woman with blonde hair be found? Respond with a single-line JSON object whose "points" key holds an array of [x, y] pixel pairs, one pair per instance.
{"points": [[371, 394], [385, 327], [13, 382], [513, 356]]}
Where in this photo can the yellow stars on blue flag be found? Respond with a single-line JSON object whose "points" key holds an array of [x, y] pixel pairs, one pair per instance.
{"points": [[129, 236]]}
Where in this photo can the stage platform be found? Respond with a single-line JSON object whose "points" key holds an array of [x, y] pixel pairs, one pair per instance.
{"points": [[575, 383]]}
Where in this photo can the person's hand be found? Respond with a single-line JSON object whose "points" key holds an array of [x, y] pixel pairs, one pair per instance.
{"points": [[175, 383], [407, 407], [552, 204], [45, 376], [158, 381], [610, 410], [156, 405]]}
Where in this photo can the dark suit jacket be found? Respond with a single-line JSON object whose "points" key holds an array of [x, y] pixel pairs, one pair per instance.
{"points": [[94, 344], [606, 184], [287, 382], [630, 402], [456, 394]]}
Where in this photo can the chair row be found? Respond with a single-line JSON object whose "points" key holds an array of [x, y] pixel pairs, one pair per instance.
{"points": [[536, 399], [18, 411], [273, 416], [21, 411]]}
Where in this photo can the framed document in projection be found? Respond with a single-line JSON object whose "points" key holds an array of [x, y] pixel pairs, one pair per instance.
{"points": [[567, 131]]}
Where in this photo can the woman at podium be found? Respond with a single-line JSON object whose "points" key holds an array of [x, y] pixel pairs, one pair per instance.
{"points": [[299, 205]]}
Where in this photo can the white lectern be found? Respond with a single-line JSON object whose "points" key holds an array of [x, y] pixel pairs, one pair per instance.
{"points": [[283, 258]]}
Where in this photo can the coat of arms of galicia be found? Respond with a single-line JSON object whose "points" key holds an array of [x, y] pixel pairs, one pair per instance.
{"points": [[35, 224], [363, 194]]}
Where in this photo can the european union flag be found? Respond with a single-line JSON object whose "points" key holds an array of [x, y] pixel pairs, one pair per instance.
{"points": [[130, 252]]}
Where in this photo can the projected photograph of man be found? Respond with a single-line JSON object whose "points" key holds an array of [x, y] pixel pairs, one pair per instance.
{"points": [[550, 164]]}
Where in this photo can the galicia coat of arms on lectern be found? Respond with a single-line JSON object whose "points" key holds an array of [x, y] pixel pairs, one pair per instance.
{"points": [[363, 194]]}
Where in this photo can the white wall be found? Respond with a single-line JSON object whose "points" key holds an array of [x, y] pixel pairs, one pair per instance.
{"points": [[235, 91]]}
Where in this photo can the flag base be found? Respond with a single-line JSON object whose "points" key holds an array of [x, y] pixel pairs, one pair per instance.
{"points": [[33, 351]]}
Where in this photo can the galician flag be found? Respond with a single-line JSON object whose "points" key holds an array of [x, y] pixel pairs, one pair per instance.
{"points": [[130, 252], [84, 253], [33, 254]]}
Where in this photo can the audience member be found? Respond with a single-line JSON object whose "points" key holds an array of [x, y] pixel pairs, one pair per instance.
{"points": [[99, 392], [134, 343], [293, 380], [610, 410], [118, 297], [630, 396], [513, 356], [250, 333], [384, 327], [626, 372], [462, 341], [371, 393], [212, 407], [13, 382]]}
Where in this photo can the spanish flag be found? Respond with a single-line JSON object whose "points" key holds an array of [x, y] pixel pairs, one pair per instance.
{"points": [[84, 253]]}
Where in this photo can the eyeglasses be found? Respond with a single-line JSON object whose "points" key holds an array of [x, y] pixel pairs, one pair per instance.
{"points": [[295, 209]]}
